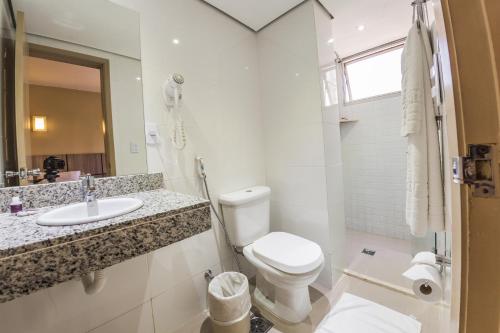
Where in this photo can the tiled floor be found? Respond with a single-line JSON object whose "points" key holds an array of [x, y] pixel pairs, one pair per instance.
{"points": [[376, 278], [392, 257], [434, 318], [357, 240]]}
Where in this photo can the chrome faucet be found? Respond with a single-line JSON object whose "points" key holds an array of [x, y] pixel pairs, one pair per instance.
{"points": [[89, 196]]}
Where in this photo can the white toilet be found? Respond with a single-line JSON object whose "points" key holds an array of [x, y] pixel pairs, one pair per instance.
{"points": [[286, 264]]}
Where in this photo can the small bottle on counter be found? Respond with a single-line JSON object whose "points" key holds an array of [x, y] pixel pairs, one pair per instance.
{"points": [[16, 205]]}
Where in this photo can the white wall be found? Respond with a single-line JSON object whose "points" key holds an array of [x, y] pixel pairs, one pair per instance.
{"points": [[295, 131], [164, 291], [221, 105], [374, 155]]}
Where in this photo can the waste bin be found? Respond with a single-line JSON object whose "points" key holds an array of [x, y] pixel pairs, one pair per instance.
{"points": [[229, 303]]}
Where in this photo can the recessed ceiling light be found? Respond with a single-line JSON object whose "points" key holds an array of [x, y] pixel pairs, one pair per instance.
{"points": [[175, 41], [331, 40], [138, 78], [361, 27]]}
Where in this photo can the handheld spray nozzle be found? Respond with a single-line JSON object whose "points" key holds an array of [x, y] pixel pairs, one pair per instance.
{"points": [[201, 167]]}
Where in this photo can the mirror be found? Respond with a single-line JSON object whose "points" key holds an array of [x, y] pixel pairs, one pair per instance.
{"points": [[71, 91]]}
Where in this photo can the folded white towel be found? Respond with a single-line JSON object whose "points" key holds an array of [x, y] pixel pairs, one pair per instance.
{"points": [[354, 314]]}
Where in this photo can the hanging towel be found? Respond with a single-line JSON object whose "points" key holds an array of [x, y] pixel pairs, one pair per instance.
{"points": [[424, 188]]}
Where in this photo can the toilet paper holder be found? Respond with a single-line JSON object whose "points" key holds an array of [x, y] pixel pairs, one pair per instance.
{"points": [[443, 261]]}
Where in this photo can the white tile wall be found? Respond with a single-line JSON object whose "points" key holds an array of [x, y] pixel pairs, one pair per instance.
{"points": [[374, 155], [137, 320], [302, 148]]}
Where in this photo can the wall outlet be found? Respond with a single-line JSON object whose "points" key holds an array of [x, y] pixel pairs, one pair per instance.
{"points": [[134, 148]]}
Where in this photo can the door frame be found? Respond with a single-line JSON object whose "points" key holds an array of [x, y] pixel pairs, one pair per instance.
{"points": [[102, 64], [474, 44]]}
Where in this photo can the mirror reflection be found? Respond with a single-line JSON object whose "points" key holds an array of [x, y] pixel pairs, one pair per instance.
{"points": [[72, 87]]}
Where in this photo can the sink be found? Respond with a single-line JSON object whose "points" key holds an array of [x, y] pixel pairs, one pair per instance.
{"points": [[78, 214]]}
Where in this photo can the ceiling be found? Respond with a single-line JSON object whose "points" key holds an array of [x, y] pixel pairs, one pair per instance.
{"points": [[384, 20], [48, 73], [252, 13]]}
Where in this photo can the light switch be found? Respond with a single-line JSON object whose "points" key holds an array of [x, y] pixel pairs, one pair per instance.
{"points": [[134, 148], [152, 135]]}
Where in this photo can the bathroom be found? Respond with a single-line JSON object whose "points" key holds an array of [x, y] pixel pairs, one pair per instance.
{"points": [[261, 100]]}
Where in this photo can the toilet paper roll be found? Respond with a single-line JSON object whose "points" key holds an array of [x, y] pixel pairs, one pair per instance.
{"points": [[427, 283], [426, 258]]}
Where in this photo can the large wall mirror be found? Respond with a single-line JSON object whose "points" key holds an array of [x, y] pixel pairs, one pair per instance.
{"points": [[71, 91]]}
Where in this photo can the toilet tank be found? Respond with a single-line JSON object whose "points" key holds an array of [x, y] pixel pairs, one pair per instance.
{"points": [[246, 214]]}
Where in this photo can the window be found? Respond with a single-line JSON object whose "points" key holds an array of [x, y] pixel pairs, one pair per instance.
{"points": [[373, 74]]}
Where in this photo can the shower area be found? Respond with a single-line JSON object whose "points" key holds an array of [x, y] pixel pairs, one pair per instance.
{"points": [[363, 86]]}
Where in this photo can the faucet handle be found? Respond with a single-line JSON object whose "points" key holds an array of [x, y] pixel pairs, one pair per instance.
{"points": [[89, 181]]}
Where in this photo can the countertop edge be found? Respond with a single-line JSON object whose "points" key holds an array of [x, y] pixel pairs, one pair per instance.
{"points": [[40, 245]]}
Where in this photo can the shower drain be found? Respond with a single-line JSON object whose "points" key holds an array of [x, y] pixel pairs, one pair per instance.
{"points": [[259, 324], [368, 252]]}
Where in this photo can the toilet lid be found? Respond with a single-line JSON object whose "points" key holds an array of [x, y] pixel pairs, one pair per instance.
{"points": [[288, 253]]}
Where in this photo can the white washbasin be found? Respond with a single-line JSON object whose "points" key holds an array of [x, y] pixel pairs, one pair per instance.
{"points": [[78, 213]]}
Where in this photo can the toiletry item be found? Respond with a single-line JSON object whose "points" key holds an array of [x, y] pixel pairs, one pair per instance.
{"points": [[16, 205]]}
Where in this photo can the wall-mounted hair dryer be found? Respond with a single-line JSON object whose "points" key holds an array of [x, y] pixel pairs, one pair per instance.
{"points": [[172, 95], [172, 90]]}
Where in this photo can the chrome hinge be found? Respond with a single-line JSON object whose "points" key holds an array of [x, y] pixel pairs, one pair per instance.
{"points": [[476, 169]]}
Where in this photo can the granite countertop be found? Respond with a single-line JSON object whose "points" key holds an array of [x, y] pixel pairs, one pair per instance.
{"points": [[22, 234]]}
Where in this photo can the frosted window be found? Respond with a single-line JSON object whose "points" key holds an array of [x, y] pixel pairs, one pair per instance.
{"points": [[375, 75]]}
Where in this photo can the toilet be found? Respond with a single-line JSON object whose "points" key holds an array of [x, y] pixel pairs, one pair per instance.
{"points": [[286, 264]]}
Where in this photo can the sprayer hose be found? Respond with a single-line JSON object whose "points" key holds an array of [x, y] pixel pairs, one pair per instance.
{"points": [[222, 223]]}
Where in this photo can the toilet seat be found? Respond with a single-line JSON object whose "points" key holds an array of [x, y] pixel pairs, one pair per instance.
{"points": [[288, 253]]}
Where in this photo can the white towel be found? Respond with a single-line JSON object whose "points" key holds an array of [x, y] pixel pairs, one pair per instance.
{"points": [[354, 314], [424, 190]]}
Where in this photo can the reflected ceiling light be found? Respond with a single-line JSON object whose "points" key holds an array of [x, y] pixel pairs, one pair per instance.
{"points": [[361, 27], [138, 78], [39, 124], [175, 41], [331, 40]]}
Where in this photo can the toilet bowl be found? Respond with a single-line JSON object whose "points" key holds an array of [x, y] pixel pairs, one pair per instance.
{"points": [[282, 291], [286, 264]]}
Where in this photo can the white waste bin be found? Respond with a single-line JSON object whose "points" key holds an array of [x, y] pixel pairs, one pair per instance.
{"points": [[229, 303]]}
